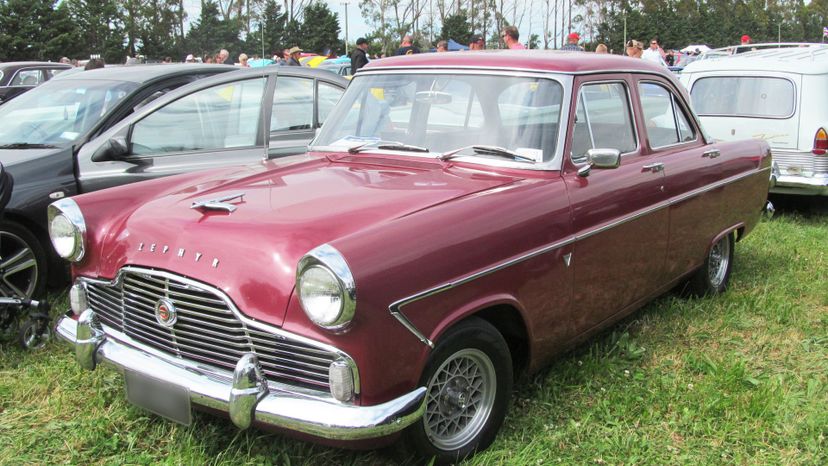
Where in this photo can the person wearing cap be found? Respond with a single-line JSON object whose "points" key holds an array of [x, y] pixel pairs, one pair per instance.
{"points": [[359, 57], [746, 39], [510, 36], [572, 43], [294, 53], [654, 53], [477, 43]]}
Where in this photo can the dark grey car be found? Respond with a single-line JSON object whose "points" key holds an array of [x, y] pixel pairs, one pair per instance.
{"points": [[41, 135], [21, 76]]}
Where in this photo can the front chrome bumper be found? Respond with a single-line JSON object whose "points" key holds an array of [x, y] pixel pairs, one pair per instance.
{"points": [[245, 395]]}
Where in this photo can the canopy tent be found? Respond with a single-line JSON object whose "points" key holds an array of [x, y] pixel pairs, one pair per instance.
{"points": [[454, 46], [692, 48]]}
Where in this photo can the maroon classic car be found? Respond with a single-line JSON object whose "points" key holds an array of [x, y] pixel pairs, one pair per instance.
{"points": [[460, 218]]}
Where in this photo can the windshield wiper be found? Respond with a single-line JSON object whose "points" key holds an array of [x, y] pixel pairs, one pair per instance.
{"points": [[386, 145], [487, 150], [27, 145]]}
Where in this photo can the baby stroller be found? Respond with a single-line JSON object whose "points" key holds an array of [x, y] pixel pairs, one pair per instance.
{"points": [[21, 315]]}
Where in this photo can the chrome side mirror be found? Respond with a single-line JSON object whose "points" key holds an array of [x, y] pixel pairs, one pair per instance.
{"points": [[600, 158]]}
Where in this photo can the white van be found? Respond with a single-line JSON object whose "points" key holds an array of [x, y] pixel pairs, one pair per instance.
{"points": [[780, 95]]}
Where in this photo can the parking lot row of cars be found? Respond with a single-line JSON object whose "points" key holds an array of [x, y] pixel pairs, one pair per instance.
{"points": [[458, 219]]}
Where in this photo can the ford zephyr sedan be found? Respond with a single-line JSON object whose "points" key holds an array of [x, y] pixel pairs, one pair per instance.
{"points": [[459, 219]]}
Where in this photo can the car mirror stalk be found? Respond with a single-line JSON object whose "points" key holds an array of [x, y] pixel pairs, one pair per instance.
{"points": [[600, 158]]}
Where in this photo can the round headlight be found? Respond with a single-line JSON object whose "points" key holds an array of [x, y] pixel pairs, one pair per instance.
{"points": [[326, 288], [67, 229], [321, 295], [64, 236]]}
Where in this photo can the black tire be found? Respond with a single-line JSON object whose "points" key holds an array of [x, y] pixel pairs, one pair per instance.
{"points": [[713, 277], [34, 334], [23, 264], [457, 373]]}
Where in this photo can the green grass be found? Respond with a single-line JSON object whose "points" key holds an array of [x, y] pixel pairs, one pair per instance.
{"points": [[739, 378]]}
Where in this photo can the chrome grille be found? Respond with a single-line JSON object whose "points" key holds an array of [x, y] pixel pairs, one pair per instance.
{"points": [[206, 329], [808, 163]]}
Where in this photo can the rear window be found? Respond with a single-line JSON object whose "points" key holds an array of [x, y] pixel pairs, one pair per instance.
{"points": [[743, 96]]}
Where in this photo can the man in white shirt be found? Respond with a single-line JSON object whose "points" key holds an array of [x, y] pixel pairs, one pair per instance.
{"points": [[653, 53]]}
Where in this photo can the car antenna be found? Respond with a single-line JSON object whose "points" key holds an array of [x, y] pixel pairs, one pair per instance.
{"points": [[265, 124]]}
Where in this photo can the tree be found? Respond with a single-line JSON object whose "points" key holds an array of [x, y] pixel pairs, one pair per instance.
{"points": [[35, 30], [100, 28], [210, 33], [320, 28], [456, 27]]}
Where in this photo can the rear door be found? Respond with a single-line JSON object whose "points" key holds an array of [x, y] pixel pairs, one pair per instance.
{"points": [[749, 105]]}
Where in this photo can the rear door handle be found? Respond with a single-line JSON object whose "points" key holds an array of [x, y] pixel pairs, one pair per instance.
{"points": [[712, 153], [654, 167]]}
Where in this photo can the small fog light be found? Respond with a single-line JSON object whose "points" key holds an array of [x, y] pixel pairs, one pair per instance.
{"points": [[342, 381], [77, 298]]}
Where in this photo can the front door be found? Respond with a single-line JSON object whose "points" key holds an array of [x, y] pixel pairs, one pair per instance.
{"points": [[620, 217], [208, 128]]}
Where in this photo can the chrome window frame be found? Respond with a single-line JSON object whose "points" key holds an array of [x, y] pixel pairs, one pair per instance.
{"points": [[565, 80], [341, 355], [623, 82], [794, 109], [673, 101]]}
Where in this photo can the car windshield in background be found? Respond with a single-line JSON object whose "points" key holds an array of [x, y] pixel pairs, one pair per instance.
{"points": [[446, 112], [743, 96], [59, 111]]}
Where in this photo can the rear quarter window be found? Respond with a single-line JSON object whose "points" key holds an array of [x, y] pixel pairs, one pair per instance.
{"points": [[763, 97]]}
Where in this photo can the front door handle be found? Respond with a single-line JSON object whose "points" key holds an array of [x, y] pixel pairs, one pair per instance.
{"points": [[654, 167], [712, 153]]}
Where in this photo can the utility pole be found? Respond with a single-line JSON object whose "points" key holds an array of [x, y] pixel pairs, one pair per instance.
{"points": [[346, 27]]}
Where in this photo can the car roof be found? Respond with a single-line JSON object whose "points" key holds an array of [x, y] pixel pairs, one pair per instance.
{"points": [[532, 60], [797, 60], [24, 64], [271, 71], [144, 73]]}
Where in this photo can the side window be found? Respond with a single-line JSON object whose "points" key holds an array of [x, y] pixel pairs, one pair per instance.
{"points": [[328, 97], [218, 117], [292, 104], [664, 119], [26, 78], [602, 120]]}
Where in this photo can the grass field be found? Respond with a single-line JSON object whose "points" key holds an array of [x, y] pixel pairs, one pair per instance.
{"points": [[740, 378]]}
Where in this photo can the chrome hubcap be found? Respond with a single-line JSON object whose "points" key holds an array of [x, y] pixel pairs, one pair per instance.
{"points": [[460, 398], [718, 261], [36, 337], [18, 266]]}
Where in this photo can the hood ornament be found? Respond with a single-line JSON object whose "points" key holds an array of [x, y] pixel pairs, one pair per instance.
{"points": [[219, 203]]}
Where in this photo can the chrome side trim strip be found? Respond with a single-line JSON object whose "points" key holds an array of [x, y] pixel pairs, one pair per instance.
{"points": [[236, 312], [395, 307]]}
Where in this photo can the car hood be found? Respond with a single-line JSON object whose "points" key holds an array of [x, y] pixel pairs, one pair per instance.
{"points": [[287, 207], [10, 157]]}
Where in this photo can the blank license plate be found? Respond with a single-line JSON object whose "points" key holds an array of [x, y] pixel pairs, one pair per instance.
{"points": [[162, 398]]}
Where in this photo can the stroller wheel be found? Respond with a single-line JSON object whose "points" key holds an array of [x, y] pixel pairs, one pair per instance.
{"points": [[34, 334]]}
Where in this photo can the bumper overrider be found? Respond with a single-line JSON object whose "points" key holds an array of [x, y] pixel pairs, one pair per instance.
{"points": [[245, 394]]}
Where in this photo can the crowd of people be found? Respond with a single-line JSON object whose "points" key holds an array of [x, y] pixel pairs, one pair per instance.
{"points": [[510, 36]]}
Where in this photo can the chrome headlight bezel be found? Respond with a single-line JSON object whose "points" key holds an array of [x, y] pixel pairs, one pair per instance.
{"points": [[68, 209], [331, 261]]}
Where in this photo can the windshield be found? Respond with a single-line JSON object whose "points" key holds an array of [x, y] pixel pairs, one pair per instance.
{"points": [[446, 112], [59, 111]]}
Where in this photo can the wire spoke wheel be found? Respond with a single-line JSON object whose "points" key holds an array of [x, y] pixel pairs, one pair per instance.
{"points": [[718, 262], [460, 397]]}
